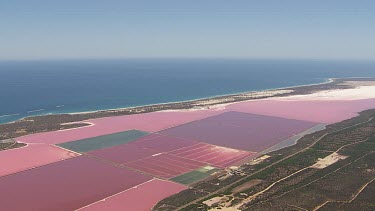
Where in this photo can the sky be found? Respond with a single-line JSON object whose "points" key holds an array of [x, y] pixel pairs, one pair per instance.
{"points": [[112, 29]]}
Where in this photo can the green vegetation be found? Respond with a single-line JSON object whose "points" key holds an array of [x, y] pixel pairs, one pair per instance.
{"points": [[180, 199], [10, 144], [195, 176], [190, 177]]}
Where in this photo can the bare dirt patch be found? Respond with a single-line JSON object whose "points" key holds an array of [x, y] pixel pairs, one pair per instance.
{"points": [[213, 201], [259, 160], [327, 161]]}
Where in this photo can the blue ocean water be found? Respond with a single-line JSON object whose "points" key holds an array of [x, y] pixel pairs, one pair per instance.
{"points": [[42, 87]]}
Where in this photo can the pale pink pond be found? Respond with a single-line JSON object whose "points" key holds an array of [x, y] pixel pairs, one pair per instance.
{"points": [[149, 122], [31, 156], [141, 198], [315, 111]]}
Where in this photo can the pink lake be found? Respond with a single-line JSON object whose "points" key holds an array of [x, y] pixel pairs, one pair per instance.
{"points": [[31, 156], [314, 111], [141, 198], [149, 122], [65, 185], [239, 130]]}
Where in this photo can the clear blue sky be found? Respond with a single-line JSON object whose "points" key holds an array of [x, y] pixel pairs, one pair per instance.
{"points": [[303, 29]]}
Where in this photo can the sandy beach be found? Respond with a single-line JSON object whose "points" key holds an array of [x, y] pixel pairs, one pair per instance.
{"points": [[361, 90]]}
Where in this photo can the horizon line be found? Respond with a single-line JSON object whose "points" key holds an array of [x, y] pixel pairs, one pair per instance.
{"points": [[185, 58]]}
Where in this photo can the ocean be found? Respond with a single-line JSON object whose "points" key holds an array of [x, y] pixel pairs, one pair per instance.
{"points": [[31, 88]]}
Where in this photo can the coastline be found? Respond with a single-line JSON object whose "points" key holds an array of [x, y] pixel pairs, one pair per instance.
{"points": [[326, 81], [53, 122]]}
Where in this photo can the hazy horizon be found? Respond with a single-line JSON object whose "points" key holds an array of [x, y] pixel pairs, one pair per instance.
{"points": [[291, 29]]}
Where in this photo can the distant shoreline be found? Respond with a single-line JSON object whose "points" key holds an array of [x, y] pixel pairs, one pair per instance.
{"points": [[81, 86], [53, 122], [328, 80]]}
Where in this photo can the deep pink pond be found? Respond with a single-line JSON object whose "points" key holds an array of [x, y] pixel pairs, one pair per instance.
{"points": [[162, 142], [167, 157], [65, 185], [240, 130], [30, 156], [141, 148], [124, 153], [213, 155], [140, 198], [165, 165]]}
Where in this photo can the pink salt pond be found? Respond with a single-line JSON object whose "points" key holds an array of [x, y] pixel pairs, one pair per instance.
{"points": [[239, 130], [31, 156], [149, 122], [167, 157], [212, 155], [141, 148], [65, 185], [314, 110], [165, 165], [141, 198]]}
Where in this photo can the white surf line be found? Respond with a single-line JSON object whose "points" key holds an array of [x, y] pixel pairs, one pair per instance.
{"points": [[32, 111], [8, 115], [326, 81], [104, 199]]}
